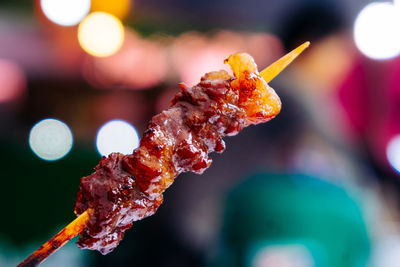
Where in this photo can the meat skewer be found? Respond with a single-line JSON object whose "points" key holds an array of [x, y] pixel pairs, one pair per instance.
{"points": [[177, 140]]}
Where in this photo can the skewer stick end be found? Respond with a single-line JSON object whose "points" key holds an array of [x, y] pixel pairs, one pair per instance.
{"points": [[278, 66], [57, 241]]}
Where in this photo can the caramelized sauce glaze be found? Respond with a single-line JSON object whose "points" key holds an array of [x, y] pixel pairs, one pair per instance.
{"points": [[127, 188]]}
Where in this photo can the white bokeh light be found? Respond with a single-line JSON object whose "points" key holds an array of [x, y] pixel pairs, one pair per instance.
{"points": [[386, 251], [50, 139], [393, 152], [117, 136], [288, 255], [376, 31], [65, 12]]}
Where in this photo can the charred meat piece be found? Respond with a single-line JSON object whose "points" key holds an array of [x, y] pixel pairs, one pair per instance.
{"points": [[127, 188]]}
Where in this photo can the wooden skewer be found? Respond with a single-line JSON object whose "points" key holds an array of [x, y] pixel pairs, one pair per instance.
{"points": [[57, 241], [275, 68], [79, 224]]}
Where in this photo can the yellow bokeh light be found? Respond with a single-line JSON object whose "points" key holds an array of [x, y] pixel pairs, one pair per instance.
{"points": [[101, 34], [118, 8]]}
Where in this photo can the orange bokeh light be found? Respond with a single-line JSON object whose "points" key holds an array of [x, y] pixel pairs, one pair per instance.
{"points": [[118, 8]]}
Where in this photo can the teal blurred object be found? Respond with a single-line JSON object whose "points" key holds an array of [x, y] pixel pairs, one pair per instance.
{"points": [[293, 214]]}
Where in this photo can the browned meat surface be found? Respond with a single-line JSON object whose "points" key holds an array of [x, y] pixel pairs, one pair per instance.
{"points": [[127, 188]]}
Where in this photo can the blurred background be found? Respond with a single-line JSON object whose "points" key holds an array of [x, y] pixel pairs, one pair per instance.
{"points": [[317, 186]]}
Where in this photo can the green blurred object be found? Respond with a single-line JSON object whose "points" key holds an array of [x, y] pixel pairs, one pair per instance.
{"points": [[296, 214], [38, 197]]}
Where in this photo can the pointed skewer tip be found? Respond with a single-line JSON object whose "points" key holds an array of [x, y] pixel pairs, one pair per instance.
{"points": [[275, 68]]}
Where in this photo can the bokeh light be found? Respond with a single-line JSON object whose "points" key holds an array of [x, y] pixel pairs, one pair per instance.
{"points": [[340, 58], [117, 136], [288, 255], [376, 31], [101, 34], [118, 8], [193, 54], [12, 81], [65, 12], [386, 252], [393, 152], [139, 64], [50, 139]]}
